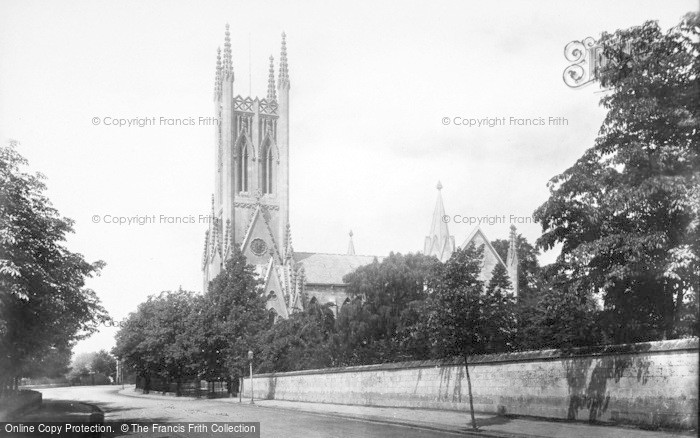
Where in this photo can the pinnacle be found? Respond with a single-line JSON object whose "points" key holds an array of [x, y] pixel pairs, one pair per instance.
{"points": [[228, 65], [284, 68], [271, 93]]}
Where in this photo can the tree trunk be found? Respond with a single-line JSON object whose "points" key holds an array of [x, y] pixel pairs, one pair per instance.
{"points": [[678, 310], [147, 384], [469, 388]]}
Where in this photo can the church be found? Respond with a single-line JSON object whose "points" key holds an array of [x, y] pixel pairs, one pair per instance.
{"points": [[250, 203]]}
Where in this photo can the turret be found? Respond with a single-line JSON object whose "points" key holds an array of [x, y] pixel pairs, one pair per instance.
{"points": [[271, 92], [283, 86], [227, 191], [512, 259], [218, 76]]}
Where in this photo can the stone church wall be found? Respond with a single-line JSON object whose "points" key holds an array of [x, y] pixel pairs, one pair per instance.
{"points": [[648, 384]]}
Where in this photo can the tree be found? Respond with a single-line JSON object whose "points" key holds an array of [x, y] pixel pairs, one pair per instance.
{"points": [[157, 341], [498, 303], [530, 290], [372, 327], [170, 338], [458, 313], [178, 335], [231, 317], [80, 366], [55, 363], [565, 316], [44, 305], [626, 213], [99, 363], [131, 343], [298, 343], [529, 270]]}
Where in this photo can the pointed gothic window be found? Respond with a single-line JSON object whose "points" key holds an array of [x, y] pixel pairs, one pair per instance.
{"points": [[242, 180], [267, 168]]}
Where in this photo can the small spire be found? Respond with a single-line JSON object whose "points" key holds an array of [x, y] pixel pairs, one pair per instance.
{"points": [[512, 259], [288, 250], [206, 244], [512, 256], [351, 245], [217, 80], [271, 92], [214, 237], [227, 67], [439, 242], [284, 67], [227, 233]]}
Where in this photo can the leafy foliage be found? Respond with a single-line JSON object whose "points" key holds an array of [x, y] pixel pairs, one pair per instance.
{"points": [[86, 364], [529, 270], [55, 363], [44, 305], [464, 318], [373, 326], [626, 213], [179, 335], [566, 315], [155, 340], [230, 318], [298, 343]]}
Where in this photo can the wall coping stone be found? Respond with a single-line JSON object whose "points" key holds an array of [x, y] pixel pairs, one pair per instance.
{"points": [[688, 344]]}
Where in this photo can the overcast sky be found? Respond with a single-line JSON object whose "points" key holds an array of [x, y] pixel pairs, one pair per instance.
{"points": [[371, 82]]}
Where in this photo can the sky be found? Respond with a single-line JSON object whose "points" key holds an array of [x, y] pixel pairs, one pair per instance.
{"points": [[372, 83]]}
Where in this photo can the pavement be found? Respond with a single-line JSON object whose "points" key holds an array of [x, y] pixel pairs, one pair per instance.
{"points": [[131, 407], [453, 421], [460, 422], [63, 411], [287, 418]]}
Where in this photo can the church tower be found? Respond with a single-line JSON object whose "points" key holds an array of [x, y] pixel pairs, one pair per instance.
{"points": [[250, 204]]}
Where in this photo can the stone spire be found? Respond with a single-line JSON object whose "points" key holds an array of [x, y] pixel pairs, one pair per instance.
{"points": [[439, 242], [271, 92], [284, 68], [217, 80], [351, 245], [288, 248], [227, 234], [205, 256], [512, 259], [228, 63]]}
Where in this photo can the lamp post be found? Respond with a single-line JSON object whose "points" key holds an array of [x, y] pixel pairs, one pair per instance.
{"points": [[250, 358]]}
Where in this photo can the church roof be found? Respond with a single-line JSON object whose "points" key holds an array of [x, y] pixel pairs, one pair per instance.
{"points": [[478, 235], [320, 268]]}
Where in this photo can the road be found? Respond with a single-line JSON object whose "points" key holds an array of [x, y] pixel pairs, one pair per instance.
{"points": [[274, 422]]}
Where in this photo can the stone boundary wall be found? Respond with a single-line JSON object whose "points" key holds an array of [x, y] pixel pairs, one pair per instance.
{"points": [[647, 384], [12, 406]]}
